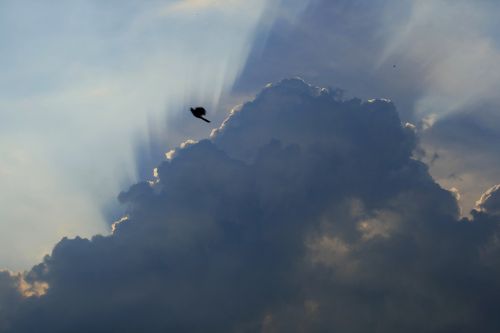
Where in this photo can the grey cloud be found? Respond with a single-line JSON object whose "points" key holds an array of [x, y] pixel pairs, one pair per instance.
{"points": [[10, 297], [302, 213], [414, 53]]}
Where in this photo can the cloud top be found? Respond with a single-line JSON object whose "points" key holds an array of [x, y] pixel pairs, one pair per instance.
{"points": [[302, 213]]}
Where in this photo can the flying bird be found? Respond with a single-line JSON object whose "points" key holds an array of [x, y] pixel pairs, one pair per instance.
{"points": [[199, 112]]}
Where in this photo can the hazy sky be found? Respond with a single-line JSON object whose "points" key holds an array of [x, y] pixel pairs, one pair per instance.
{"points": [[84, 86]]}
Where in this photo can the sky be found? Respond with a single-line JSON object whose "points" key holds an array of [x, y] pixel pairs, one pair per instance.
{"points": [[85, 86], [347, 182]]}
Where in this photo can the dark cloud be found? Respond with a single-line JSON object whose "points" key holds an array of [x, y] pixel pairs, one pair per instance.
{"points": [[10, 297], [302, 213], [412, 52]]}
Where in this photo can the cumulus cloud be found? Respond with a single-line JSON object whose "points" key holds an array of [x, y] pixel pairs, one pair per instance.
{"points": [[438, 72], [116, 74], [302, 213]]}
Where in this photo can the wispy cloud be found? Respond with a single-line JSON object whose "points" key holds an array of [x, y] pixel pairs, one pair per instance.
{"points": [[192, 6], [455, 50]]}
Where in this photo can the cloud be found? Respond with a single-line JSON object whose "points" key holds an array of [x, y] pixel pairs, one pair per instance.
{"points": [[438, 72], [490, 201], [459, 63], [9, 297], [410, 51], [304, 212], [192, 6], [84, 86], [470, 134]]}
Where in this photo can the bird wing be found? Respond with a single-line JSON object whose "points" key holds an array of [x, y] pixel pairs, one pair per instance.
{"points": [[202, 111]]}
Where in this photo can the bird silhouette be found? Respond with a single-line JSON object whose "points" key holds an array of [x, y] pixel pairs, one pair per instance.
{"points": [[199, 112]]}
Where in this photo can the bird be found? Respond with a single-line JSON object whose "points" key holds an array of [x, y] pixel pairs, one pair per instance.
{"points": [[199, 112]]}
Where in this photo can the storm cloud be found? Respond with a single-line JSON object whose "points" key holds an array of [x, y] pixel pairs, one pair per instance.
{"points": [[437, 60], [303, 212]]}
